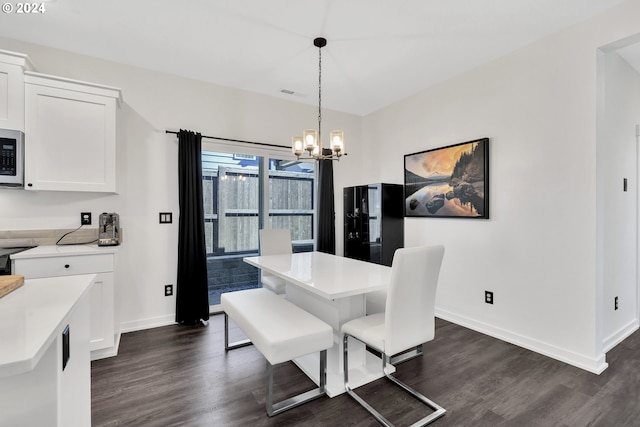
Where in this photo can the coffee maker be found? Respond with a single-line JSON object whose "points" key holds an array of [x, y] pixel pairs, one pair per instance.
{"points": [[109, 229]]}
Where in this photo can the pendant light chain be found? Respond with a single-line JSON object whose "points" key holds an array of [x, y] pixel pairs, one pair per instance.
{"points": [[311, 140], [320, 95]]}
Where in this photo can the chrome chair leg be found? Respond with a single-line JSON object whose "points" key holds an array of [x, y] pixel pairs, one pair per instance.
{"points": [[276, 408], [411, 354], [439, 411], [345, 357], [417, 351], [236, 344]]}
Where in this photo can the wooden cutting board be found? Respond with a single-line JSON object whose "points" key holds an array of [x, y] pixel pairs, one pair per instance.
{"points": [[10, 283]]}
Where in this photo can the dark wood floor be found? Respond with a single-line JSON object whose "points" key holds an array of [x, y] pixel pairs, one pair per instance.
{"points": [[181, 376]]}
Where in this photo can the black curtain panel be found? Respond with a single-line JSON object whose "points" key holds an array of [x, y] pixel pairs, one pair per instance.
{"points": [[326, 241], [192, 296]]}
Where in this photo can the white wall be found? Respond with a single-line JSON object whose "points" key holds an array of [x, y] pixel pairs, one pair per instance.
{"points": [[147, 167], [617, 214], [537, 253]]}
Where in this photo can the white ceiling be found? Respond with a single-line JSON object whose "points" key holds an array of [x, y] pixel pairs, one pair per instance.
{"points": [[378, 52]]}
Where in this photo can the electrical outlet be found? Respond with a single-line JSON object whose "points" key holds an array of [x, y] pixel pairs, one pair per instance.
{"points": [[615, 303], [85, 218], [168, 290], [488, 297]]}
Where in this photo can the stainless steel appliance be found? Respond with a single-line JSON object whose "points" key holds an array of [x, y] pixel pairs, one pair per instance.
{"points": [[11, 159], [109, 229]]}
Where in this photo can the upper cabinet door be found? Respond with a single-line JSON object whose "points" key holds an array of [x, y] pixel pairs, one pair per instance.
{"points": [[12, 67], [70, 135]]}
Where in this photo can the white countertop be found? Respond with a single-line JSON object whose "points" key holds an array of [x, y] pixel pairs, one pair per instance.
{"points": [[32, 316], [328, 276], [57, 250]]}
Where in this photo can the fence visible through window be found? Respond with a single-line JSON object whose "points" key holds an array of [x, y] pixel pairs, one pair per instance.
{"points": [[235, 209]]}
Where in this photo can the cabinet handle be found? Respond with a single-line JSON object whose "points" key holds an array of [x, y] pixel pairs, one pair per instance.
{"points": [[66, 266], [29, 185]]}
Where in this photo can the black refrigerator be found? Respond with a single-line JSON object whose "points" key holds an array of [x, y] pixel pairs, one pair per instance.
{"points": [[373, 222]]}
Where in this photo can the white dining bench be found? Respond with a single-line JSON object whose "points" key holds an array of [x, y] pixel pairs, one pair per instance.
{"points": [[281, 331]]}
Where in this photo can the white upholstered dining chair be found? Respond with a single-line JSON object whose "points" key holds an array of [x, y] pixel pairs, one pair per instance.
{"points": [[274, 242], [376, 303], [408, 320]]}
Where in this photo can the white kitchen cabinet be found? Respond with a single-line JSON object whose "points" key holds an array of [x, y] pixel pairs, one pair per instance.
{"points": [[70, 134], [60, 261], [12, 68]]}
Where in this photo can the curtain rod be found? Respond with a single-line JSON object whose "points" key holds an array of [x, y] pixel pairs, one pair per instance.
{"points": [[234, 140]]}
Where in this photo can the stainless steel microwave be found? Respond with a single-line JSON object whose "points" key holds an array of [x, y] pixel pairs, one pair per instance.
{"points": [[11, 158]]}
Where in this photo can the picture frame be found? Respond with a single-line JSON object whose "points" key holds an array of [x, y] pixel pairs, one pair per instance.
{"points": [[448, 182]]}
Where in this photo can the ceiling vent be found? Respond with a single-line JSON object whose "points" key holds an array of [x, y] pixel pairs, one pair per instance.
{"points": [[293, 93]]}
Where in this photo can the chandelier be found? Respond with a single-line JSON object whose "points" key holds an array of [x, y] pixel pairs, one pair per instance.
{"points": [[310, 141]]}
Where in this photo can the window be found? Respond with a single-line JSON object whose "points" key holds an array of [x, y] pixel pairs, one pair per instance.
{"points": [[291, 200], [238, 196]]}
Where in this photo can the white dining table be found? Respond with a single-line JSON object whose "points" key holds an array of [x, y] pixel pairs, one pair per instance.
{"points": [[332, 288]]}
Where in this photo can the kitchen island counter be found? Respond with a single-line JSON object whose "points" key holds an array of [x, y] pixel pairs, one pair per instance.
{"points": [[45, 369], [32, 316]]}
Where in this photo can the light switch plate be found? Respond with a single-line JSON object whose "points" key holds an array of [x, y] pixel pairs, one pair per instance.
{"points": [[166, 217]]}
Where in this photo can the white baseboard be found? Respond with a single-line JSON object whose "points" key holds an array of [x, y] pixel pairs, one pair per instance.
{"points": [[595, 365], [620, 335], [107, 352], [148, 323]]}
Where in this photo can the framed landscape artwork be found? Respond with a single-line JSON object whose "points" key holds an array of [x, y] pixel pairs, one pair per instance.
{"points": [[448, 182]]}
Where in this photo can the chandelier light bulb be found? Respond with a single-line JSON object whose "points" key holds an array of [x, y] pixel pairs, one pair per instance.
{"points": [[310, 139], [297, 146], [337, 141]]}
